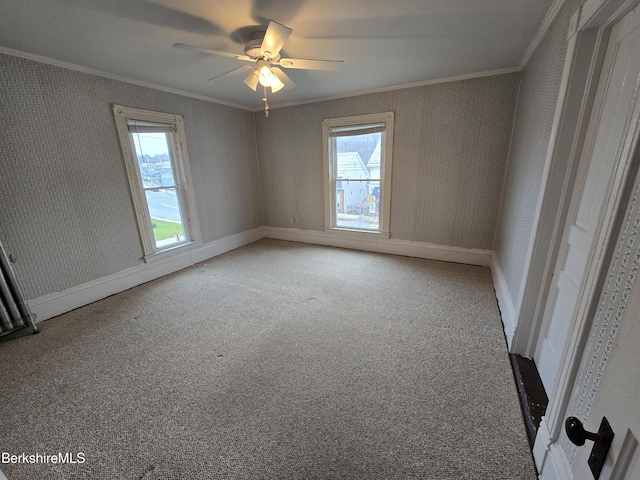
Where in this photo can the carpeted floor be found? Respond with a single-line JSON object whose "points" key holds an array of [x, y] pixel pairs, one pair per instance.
{"points": [[275, 361]]}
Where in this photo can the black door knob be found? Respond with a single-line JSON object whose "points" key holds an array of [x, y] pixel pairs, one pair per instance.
{"points": [[577, 434]]}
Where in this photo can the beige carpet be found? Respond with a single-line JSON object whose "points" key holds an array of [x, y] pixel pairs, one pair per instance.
{"points": [[275, 361]]}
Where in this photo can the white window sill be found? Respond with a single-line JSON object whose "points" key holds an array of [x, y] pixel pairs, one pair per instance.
{"points": [[349, 233], [172, 252]]}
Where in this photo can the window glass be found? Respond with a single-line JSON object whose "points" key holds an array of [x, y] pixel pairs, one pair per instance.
{"points": [[161, 192], [356, 164]]}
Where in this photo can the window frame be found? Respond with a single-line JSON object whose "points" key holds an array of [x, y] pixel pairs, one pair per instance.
{"points": [[181, 171], [330, 167]]}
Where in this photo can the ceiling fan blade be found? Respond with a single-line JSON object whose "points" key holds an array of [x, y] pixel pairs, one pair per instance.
{"points": [[288, 83], [184, 46], [237, 70], [305, 64], [274, 39]]}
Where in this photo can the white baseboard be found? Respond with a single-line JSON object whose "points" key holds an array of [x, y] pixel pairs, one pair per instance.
{"points": [[550, 460], [505, 302], [54, 304], [381, 244]]}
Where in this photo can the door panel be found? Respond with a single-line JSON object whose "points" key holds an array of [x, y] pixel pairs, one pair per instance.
{"points": [[594, 187], [576, 262], [618, 394], [617, 94], [561, 302], [618, 399]]}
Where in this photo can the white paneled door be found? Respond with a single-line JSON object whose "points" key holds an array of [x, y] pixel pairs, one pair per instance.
{"points": [[619, 400], [614, 107]]}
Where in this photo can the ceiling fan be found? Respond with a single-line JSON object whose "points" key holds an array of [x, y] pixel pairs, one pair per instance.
{"points": [[263, 51]]}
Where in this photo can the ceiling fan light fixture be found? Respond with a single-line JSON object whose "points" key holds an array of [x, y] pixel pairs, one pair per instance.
{"points": [[252, 80], [267, 78], [277, 86]]}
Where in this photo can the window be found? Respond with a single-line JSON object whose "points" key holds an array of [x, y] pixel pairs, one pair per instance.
{"points": [[155, 154], [357, 164]]}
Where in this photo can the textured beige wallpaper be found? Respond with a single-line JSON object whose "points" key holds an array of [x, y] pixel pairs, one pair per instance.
{"points": [[534, 119], [451, 144], [65, 207]]}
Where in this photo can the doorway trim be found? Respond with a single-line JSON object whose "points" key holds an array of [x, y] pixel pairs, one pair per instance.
{"points": [[588, 39], [575, 99]]}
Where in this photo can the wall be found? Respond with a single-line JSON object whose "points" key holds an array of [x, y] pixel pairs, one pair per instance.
{"points": [[65, 209], [451, 143], [539, 90]]}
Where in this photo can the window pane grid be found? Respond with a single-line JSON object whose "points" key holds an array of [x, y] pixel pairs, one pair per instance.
{"points": [[356, 207], [155, 155], [357, 179], [355, 154], [163, 187], [357, 159], [157, 165]]}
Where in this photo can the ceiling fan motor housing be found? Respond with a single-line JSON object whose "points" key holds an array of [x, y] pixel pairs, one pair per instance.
{"points": [[252, 49]]}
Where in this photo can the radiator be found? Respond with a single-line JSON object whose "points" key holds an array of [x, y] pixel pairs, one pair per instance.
{"points": [[14, 311]]}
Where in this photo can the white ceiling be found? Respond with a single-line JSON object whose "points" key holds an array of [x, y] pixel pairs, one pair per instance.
{"points": [[383, 43]]}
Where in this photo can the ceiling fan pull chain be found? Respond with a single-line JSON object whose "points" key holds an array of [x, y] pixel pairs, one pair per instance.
{"points": [[266, 105]]}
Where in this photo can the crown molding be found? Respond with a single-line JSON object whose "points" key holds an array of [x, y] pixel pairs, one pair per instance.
{"points": [[100, 73], [404, 86], [542, 31]]}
